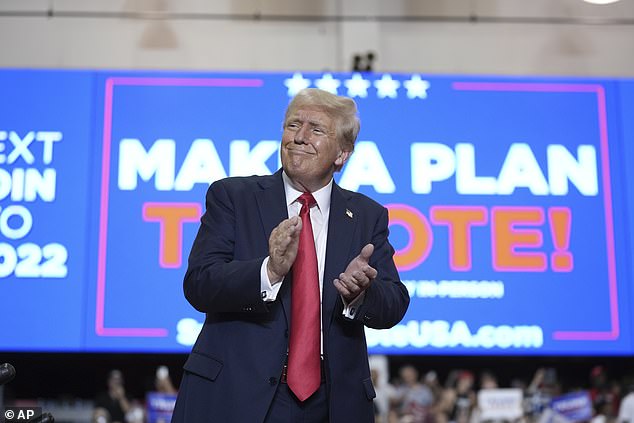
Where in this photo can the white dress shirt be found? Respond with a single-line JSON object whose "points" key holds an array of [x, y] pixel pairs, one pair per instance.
{"points": [[319, 219]]}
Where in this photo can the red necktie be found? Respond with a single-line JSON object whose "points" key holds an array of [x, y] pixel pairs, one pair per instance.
{"points": [[304, 361]]}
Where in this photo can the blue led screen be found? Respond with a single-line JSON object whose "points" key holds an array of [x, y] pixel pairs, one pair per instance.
{"points": [[510, 203]]}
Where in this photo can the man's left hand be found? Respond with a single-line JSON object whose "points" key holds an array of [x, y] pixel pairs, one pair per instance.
{"points": [[358, 275]]}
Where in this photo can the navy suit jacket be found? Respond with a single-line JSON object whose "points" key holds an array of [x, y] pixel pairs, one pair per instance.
{"points": [[233, 370]]}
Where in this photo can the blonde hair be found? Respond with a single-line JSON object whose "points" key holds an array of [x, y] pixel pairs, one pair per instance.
{"points": [[342, 109]]}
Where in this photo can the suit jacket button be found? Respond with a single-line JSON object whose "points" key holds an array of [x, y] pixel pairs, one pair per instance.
{"points": [[272, 381]]}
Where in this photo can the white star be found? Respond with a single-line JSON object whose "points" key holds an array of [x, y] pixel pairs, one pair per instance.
{"points": [[416, 87], [296, 84], [357, 86], [328, 83], [386, 87]]}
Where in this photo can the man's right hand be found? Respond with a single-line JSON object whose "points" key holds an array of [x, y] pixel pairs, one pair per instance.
{"points": [[283, 244]]}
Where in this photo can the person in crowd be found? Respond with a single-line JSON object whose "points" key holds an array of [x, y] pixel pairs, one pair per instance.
{"points": [[457, 399], [289, 269], [385, 395], [430, 379], [465, 398], [626, 408], [539, 393], [113, 401], [163, 381], [413, 398], [605, 395], [488, 380]]}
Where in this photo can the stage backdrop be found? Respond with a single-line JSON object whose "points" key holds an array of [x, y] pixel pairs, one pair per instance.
{"points": [[510, 203]]}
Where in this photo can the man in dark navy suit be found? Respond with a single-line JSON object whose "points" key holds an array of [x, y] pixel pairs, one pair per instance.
{"points": [[289, 269]]}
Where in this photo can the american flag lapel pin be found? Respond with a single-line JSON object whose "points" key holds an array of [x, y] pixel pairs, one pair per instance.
{"points": [[349, 213]]}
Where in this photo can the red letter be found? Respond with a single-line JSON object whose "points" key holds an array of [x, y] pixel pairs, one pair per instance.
{"points": [[506, 238], [171, 217], [560, 221], [420, 235], [459, 220]]}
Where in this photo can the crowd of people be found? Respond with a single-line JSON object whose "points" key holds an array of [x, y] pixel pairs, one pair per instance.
{"points": [[413, 396], [113, 405], [421, 397]]}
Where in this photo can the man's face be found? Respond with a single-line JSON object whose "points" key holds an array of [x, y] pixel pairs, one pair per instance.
{"points": [[115, 380], [310, 150], [409, 375]]}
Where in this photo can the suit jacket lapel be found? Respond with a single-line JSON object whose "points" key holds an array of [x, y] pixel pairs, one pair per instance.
{"points": [[341, 224], [272, 202], [272, 207]]}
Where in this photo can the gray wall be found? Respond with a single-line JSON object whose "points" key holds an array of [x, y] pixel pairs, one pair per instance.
{"points": [[523, 37]]}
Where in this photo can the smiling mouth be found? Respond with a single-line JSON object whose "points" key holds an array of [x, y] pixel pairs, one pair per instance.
{"points": [[296, 151]]}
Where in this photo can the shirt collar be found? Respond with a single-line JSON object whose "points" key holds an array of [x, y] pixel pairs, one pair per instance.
{"points": [[322, 195]]}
